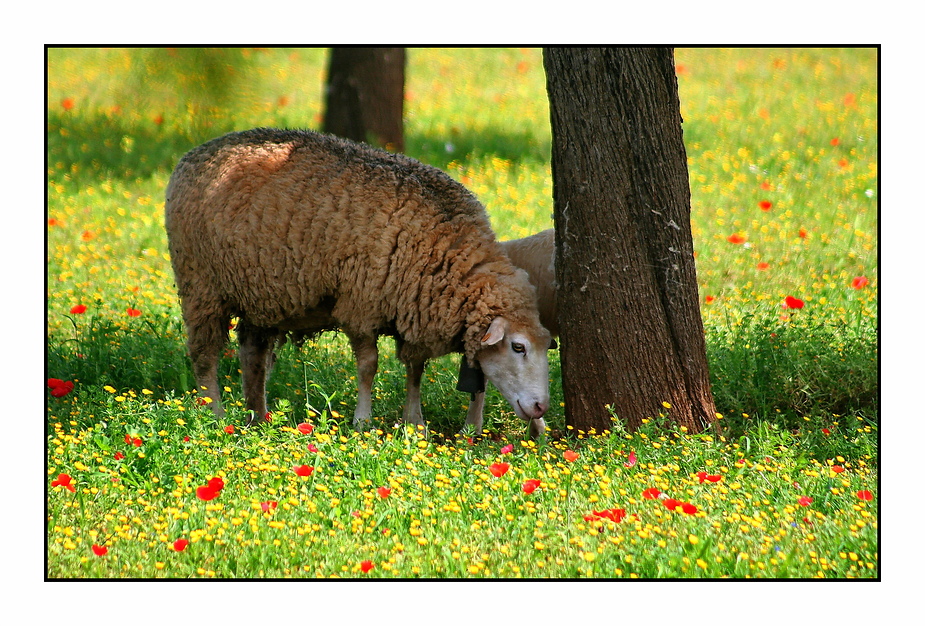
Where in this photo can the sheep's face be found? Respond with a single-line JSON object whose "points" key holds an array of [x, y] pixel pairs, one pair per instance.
{"points": [[516, 363]]}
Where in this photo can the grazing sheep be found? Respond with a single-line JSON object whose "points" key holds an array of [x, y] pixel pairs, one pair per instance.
{"points": [[296, 232], [536, 255]]}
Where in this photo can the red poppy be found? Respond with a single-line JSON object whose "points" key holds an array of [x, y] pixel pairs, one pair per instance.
{"points": [[671, 503], [118, 456], [709, 299], [530, 485], [805, 501], [571, 456], [865, 495], [270, 504], [99, 550], [834, 141], [303, 470], [67, 104], [305, 428], [180, 544], [365, 566], [838, 469], [132, 312], [736, 238], [206, 493], [763, 266], [766, 185], [859, 282], [229, 429], [216, 483], [765, 205], [383, 492], [614, 515], [312, 447], [137, 442], [713, 478], [507, 449], [793, 303], [651, 494], [499, 469], [60, 388], [803, 234], [688, 508], [63, 480], [826, 431], [631, 461], [78, 309]]}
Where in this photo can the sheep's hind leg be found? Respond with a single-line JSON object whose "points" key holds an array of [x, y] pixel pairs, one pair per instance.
{"points": [[205, 339], [366, 354], [256, 354], [476, 415]]}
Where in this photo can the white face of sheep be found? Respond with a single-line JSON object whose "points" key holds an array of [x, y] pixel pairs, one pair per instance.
{"points": [[516, 364]]}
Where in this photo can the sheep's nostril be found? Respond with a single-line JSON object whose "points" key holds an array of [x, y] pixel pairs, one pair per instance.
{"points": [[539, 409]]}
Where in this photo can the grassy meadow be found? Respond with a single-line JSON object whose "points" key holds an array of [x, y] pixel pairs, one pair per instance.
{"points": [[143, 482]]}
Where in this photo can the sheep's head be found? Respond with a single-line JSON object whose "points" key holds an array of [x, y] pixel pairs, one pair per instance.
{"points": [[513, 357]]}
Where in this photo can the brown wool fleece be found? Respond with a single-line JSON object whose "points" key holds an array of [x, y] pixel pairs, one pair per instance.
{"points": [[294, 231]]}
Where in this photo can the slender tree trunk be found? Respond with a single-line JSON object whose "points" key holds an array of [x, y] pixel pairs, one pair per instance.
{"points": [[631, 332], [365, 96]]}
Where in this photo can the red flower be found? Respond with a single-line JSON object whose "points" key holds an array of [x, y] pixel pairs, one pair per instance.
{"points": [[60, 388], [793, 303], [651, 494], [713, 478], [838, 469], [805, 501], [216, 483], [99, 550], [64, 480], [229, 429], [67, 104], [614, 515], [383, 492], [834, 141], [81, 308], [859, 282], [303, 470], [765, 205], [671, 503], [507, 449], [570, 456], [709, 299], [206, 493], [763, 266], [365, 566], [132, 312], [137, 442], [631, 461], [118, 456], [266, 506], [312, 447], [865, 495], [766, 185], [736, 238], [499, 469], [688, 508], [305, 428], [180, 544], [803, 234], [826, 431], [530, 485]]}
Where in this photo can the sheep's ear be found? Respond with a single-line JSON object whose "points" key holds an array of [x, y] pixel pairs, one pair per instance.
{"points": [[495, 332]]}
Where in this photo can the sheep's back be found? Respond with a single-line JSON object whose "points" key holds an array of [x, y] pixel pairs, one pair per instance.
{"points": [[274, 223]]}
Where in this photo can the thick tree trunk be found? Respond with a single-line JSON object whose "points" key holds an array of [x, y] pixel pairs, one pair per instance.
{"points": [[631, 332], [365, 96]]}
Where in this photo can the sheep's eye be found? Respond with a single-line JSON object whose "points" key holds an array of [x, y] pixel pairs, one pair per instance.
{"points": [[518, 347]]}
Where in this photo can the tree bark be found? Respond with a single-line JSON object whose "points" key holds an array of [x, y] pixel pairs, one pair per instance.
{"points": [[364, 98], [629, 311]]}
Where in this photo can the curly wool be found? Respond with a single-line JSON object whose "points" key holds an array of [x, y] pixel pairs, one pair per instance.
{"points": [[298, 232]]}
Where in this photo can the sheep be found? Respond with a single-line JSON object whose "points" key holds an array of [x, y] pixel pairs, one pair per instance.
{"points": [[296, 232], [536, 255]]}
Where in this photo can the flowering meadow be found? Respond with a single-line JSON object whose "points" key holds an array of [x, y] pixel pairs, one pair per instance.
{"points": [[143, 482]]}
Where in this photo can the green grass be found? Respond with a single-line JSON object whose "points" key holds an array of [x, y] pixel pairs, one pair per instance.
{"points": [[798, 388]]}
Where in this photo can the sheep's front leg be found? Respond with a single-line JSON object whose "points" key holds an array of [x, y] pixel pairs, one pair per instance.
{"points": [[412, 413], [367, 357], [476, 413]]}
